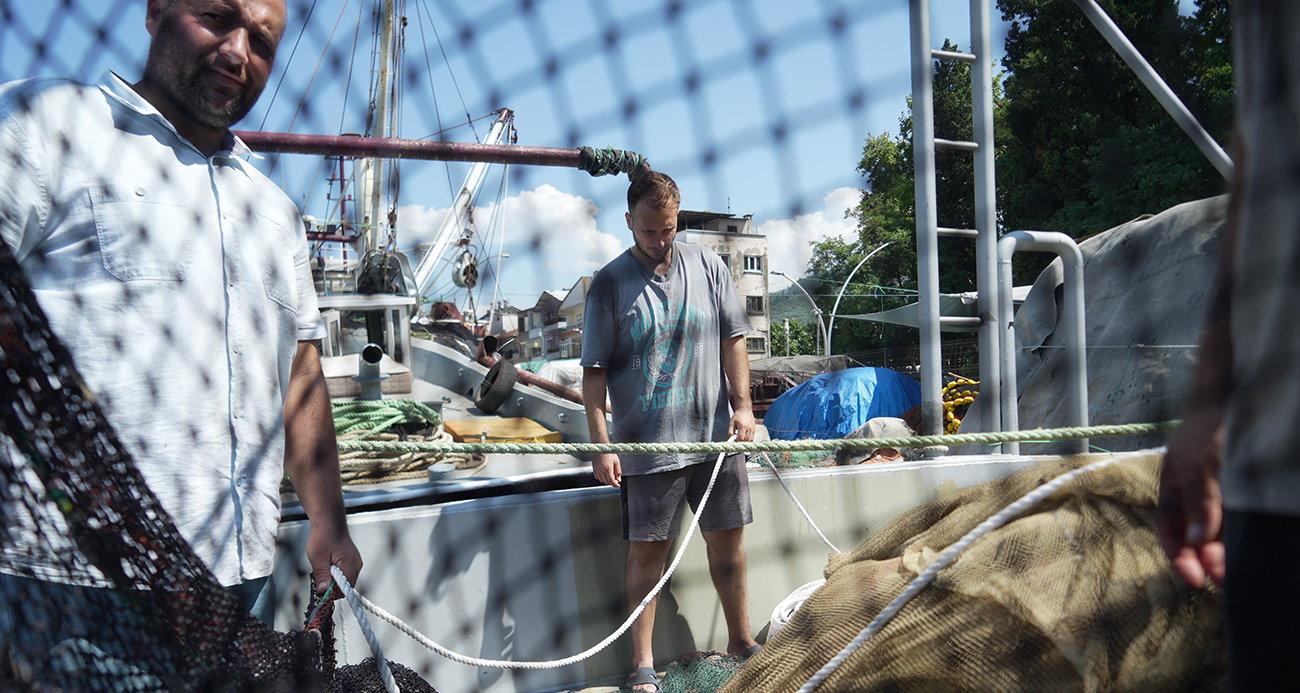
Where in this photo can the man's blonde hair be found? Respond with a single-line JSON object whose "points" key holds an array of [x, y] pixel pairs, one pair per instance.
{"points": [[654, 188]]}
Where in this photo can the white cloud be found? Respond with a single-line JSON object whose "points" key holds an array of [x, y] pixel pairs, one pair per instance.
{"points": [[551, 236], [789, 241]]}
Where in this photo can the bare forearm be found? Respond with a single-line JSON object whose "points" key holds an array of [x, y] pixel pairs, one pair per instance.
{"points": [[735, 361], [594, 391], [311, 452]]}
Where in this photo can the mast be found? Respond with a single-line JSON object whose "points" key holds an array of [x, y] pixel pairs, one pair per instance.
{"points": [[375, 217]]}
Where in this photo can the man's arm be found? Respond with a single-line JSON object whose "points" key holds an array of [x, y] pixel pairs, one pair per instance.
{"points": [[605, 466], [735, 361], [1190, 511], [311, 459]]}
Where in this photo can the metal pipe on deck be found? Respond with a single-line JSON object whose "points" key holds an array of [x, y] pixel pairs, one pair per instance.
{"points": [[1072, 315], [486, 358]]}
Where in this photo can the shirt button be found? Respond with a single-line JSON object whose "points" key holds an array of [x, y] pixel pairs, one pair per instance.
{"points": [[139, 192]]}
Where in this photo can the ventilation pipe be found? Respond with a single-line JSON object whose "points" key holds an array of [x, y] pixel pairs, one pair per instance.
{"points": [[368, 372]]}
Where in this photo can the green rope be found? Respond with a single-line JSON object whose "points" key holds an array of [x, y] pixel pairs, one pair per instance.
{"points": [[609, 161], [377, 416], [1118, 385], [1040, 435]]}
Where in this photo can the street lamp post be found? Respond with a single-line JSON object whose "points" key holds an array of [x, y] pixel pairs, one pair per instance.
{"points": [[835, 309], [816, 311]]}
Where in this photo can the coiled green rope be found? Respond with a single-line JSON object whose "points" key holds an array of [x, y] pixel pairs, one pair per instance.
{"points": [[1041, 435], [377, 416]]}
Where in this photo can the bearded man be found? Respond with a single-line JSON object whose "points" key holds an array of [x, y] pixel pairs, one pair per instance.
{"points": [[177, 275]]}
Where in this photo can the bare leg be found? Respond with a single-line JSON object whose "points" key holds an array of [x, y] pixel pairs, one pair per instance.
{"points": [[727, 568], [645, 565]]}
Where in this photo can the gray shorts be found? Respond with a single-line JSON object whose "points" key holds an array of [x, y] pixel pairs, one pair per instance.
{"points": [[653, 503]]}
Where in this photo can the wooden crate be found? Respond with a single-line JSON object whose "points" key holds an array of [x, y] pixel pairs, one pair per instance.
{"points": [[516, 430]]}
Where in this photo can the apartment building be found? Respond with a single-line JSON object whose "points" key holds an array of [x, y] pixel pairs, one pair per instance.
{"points": [[745, 254]]}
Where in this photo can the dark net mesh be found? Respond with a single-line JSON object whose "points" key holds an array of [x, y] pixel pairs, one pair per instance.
{"points": [[768, 103], [162, 621]]}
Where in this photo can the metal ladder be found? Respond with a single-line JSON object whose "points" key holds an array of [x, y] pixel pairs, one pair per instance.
{"points": [[985, 233]]}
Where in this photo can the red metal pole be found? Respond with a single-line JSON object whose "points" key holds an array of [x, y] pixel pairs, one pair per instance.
{"points": [[391, 148]]}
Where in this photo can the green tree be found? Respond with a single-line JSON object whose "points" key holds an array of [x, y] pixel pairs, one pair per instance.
{"points": [[803, 338], [1089, 146]]}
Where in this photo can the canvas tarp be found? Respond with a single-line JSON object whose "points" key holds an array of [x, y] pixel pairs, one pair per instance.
{"points": [[1146, 284]]}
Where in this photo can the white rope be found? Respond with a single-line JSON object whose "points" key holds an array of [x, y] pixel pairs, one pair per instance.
{"points": [[785, 611], [944, 560], [354, 601], [508, 664], [797, 504]]}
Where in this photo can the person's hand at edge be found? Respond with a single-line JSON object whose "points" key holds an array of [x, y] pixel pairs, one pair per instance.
{"points": [[327, 547], [742, 425], [607, 468], [1189, 515]]}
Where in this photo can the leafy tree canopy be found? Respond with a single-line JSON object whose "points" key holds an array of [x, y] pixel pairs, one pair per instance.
{"points": [[1081, 146]]}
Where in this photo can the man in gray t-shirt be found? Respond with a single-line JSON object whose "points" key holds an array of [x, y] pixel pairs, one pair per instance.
{"points": [[663, 336]]}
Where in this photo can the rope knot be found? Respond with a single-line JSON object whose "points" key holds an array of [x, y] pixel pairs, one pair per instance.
{"points": [[609, 161]]}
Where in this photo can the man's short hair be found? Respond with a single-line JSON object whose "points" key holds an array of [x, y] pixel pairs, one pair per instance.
{"points": [[654, 188]]}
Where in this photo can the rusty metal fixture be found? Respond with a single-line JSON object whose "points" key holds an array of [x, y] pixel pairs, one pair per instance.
{"points": [[331, 145], [488, 346]]}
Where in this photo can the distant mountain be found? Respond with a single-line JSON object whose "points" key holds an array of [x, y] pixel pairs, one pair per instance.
{"points": [[790, 303]]}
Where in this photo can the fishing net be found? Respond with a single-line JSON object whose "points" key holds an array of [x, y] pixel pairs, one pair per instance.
{"points": [[700, 672], [161, 620], [156, 619], [1074, 595]]}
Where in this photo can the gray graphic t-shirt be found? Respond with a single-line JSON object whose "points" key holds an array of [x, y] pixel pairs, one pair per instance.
{"points": [[659, 339]]}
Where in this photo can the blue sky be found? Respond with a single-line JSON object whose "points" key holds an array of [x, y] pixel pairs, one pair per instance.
{"points": [[754, 106]]}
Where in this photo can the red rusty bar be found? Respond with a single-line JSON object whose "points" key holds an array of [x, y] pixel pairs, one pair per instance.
{"points": [[314, 236], [391, 148]]}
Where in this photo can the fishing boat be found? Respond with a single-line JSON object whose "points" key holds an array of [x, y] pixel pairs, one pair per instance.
{"points": [[520, 558]]}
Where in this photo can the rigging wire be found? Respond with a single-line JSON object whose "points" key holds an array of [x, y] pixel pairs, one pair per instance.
{"points": [[498, 213], [287, 63], [338, 108], [454, 82], [449, 128], [307, 90], [437, 110]]}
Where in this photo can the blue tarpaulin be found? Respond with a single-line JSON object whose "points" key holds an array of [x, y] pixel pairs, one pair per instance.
{"points": [[832, 405]]}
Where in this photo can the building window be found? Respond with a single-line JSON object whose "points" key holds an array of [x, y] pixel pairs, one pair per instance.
{"points": [[732, 228], [756, 345], [753, 263], [754, 304], [726, 261]]}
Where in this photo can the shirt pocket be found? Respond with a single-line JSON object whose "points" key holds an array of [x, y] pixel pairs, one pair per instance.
{"points": [[142, 240], [279, 277]]}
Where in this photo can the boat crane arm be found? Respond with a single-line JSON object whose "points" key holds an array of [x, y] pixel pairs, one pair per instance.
{"points": [[458, 217]]}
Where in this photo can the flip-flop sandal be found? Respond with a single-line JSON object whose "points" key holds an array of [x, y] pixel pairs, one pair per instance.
{"points": [[751, 652], [642, 676]]}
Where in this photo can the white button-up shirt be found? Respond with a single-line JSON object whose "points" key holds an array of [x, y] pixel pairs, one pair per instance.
{"points": [[181, 285]]}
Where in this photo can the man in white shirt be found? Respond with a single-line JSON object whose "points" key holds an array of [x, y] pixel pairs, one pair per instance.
{"points": [[177, 275]]}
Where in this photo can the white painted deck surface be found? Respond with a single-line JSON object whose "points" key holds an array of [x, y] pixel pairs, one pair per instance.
{"points": [[539, 576]]}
